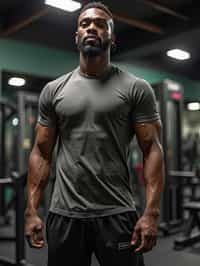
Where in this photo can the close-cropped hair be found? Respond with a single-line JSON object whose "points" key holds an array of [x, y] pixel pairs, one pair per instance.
{"points": [[99, 5]]}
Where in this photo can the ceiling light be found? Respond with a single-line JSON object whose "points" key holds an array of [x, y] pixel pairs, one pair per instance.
{"points": [[178, 54], [16, 81], [194, 106], [67, 5]]}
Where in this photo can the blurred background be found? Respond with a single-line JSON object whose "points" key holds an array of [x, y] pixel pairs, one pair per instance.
{"points": [[157, 40]]}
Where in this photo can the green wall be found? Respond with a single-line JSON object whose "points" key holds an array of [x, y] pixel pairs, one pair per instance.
{"points": [[35, 59], [42, 61]]}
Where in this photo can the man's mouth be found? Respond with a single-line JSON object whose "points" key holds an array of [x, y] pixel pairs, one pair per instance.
{"points": [[91, 38]]}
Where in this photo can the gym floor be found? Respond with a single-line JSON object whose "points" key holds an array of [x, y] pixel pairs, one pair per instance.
{"points": [[162, 255]]}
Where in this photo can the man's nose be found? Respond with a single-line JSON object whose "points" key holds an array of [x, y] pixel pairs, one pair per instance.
{"points": [[92, 28]]}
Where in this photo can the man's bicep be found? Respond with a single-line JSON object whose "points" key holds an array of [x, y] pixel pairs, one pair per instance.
{"points": [[45, 140], [148, 133]]}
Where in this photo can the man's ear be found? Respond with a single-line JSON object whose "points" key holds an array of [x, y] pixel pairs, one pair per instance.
{"points": [[113, 39], [113, 43], [76, 37]]}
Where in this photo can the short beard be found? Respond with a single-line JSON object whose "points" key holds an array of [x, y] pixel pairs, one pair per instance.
{"points": [[92, 50]]}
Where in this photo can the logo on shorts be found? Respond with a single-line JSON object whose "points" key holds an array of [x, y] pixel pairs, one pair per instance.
{"points": [[123, 245], [118, 245]]}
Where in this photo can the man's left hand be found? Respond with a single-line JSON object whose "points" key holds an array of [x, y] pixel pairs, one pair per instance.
{"points": [[145, 234]]}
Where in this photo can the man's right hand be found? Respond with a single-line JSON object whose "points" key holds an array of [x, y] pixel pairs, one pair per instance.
{"points": [[34, 231]]}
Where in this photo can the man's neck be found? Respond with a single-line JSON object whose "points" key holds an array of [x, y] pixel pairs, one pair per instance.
{"points": [[94, 66]]}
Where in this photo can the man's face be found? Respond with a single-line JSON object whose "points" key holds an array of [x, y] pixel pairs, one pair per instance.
{"points": [[94, 34]]}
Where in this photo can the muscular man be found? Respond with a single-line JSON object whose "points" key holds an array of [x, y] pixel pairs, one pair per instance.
{"points": [[93, 112]]}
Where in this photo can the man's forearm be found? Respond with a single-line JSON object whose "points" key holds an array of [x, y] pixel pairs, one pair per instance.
{"points": [[154, 180], [37, 179]]}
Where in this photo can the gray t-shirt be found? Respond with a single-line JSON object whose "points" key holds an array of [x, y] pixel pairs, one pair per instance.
{"points": [[95, 123]]}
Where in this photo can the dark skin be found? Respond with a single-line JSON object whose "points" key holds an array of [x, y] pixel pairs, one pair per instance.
{"points": [[145, 231], [95, 24], [38, 172]]}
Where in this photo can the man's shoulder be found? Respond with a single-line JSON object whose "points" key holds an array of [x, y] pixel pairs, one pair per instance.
{"points": [[138, 81], [60, 80], [53, 87], [125, 74]]}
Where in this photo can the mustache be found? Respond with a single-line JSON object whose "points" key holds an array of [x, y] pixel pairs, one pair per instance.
{"points": [[91, 36]]}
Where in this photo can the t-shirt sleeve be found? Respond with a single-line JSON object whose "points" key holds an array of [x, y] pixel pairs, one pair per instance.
{"points": [[144, 106], [46, 112]]}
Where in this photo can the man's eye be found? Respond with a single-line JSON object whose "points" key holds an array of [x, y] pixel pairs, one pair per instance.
{"points": [[101, 24], [84, 24]]}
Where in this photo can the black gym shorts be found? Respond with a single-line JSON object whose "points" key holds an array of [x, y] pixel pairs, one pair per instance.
{"points": [[71, 241]]}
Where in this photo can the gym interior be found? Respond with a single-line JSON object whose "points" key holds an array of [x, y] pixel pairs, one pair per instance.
{"points": [[157, 40]]}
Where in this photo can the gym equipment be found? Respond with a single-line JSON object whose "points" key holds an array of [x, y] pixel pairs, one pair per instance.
{"points": [[7, 110], [191, 204], [27, 107], [189, 237], [17, 183], [16, 141]]}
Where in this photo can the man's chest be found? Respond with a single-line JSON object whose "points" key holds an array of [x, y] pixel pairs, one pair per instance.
{"points": [[87, 100]]}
